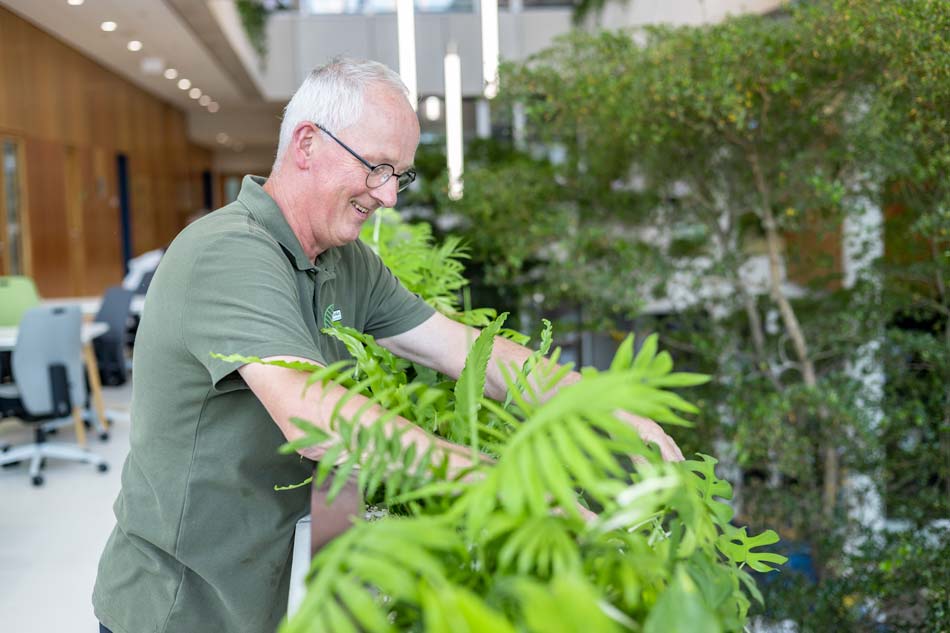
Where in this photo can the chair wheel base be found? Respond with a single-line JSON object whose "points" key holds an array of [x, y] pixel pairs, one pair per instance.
{"points": [[104, 436], [4, 449], [38, 480], [102, 468]]}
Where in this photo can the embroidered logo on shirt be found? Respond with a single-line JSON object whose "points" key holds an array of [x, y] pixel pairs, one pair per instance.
{"points": [[331, 315]]}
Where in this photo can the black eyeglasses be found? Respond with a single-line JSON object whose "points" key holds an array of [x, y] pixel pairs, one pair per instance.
{"points": [[379, 174]]}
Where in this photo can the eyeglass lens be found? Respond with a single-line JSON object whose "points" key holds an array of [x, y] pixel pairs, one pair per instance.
{"points": [[381, 175]]}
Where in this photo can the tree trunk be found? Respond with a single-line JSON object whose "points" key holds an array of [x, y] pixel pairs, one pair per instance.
{"points": [[794, 330]]}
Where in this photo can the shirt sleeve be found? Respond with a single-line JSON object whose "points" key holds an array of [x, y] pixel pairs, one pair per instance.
{"points": [[243, 299], [392, 308]]}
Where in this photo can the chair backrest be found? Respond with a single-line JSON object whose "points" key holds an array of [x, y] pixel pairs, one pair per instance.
{"points": [[48, 336], [115, 311], [17, 295], [145, 283]]}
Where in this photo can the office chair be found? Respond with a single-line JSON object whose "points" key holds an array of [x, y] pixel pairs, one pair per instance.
{"points": [[48, 379], [17, 294], [145, 283], [110, 347]]}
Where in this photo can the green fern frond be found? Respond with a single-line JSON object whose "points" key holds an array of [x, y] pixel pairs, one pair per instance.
{"points": [[470, 388], [567, 604], [451, 609], [541, 546], [357, 576]]}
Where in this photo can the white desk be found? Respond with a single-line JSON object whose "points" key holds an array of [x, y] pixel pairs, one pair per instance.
{"points": [[87, 333], [90, 305]]}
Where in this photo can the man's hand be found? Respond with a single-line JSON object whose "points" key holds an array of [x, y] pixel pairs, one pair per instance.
{"points": [[443, 344], [651, 432]]}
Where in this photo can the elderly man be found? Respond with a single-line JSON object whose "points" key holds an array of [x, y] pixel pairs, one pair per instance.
{"points": [[202, 541]]}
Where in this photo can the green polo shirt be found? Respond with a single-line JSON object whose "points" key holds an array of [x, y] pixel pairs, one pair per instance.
{"points": [[202, 541]]}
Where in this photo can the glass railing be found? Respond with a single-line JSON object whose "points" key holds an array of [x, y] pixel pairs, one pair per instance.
{"points": [[372, 7]]}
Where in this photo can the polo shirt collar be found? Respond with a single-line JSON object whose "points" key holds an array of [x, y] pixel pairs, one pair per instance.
{"points": [[266, 211]]}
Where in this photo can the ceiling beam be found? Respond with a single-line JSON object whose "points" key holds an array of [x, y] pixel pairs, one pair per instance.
{"points": [[203, 25]]}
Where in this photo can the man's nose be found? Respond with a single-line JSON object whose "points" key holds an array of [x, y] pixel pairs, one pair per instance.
{"points": [[387, 193]]}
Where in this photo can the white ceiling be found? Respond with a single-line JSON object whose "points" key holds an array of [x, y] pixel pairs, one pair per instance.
{"points": [[164, 34]]}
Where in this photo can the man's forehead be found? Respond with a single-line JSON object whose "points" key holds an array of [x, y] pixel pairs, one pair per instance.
{"points": [[389, 131]]}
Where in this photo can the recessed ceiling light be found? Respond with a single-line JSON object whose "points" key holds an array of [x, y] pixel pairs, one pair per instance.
{"points": [[74, 3], [213, 107], [204, 100], [170, 73], [194, 93], [108, 26], [184, 84], [134, 46], [222, 138]]}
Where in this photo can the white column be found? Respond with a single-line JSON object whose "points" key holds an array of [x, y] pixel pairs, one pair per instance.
{"points": [[453, 120], [863, 246], [406, 34], [489, 15]]}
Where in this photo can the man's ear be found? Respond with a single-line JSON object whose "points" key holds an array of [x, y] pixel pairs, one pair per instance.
{"points": [[302, 144]]}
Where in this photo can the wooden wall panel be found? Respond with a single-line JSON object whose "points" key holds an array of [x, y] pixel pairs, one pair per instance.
{"points": [[103, 246], [15, 57], [5, 71], [49, 230], [73, 117], [75, 107]]}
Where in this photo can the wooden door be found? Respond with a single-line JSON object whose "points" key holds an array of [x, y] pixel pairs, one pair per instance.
{"points": [[14, 244]]}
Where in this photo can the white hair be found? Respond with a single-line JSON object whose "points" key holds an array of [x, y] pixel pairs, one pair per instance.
{"points": [[332, 95]]}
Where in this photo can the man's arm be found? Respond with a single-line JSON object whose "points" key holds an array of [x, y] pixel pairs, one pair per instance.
{"points": [[279, 389], [443, 344]]}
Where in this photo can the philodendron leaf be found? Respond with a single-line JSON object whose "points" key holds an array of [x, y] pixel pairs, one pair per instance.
{"points": [[710, 486], [737, 545], [681, 609]]}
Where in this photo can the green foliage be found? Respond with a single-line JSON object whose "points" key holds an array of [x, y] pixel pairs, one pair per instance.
{"points": [[513, 214], [722, 134], [433, 272], [916, 432], [503, 545], [898, 583], [254, 19]]}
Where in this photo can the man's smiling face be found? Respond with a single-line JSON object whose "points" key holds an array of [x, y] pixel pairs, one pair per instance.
{"points": [[387, 132]]}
